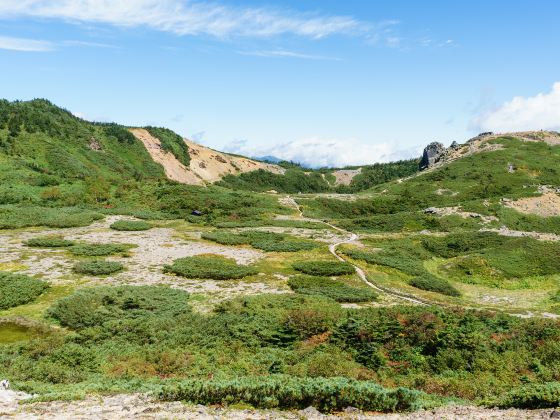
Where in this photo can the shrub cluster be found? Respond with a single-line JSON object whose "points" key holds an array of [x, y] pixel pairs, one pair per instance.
{"points": [[16, 217], [130, 225], [325, 394], [99, 305], [334, 289], [324, 268], [18, 289], [98, 250], [267, 241], [48, 242], [531, 397], [98, 267], [209, 267], [432, 283]]}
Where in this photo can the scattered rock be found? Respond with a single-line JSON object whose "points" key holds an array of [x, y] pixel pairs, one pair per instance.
{"points": [[311, 413], [555, 414]]}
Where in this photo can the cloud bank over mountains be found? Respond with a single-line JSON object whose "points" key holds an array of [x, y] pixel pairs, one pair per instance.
{"points": [[318, 152]]}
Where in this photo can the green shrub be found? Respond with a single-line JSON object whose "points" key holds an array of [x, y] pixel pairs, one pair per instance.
{"points": [[324, 268], [98, 267], [209, 267], [130, 225], [226, 238], [531, 397], [266, 241], [434, 284], [18, 289], [289, 245], [334, 289], [97, 305], [16, 217], [325, 394], [98, 250], [48, 242]]}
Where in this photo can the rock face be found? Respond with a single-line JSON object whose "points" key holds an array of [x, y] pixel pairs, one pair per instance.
{"points": [[432, 154]]}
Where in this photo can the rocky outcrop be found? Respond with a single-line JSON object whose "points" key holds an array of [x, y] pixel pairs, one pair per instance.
{"points": [[433, 153]]}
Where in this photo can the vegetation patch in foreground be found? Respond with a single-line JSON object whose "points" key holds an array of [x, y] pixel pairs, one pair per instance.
{"points": [[324, 268], [334, 289], [98, 267], [48, 242], [18, 289], [130, 225], [102, 305], [209, 267], [325, 394]]}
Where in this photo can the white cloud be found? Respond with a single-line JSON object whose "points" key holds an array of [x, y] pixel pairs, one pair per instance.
{"points": [[187, 17], [318, 152], [540, 112], [287, 54], [24, 44]]}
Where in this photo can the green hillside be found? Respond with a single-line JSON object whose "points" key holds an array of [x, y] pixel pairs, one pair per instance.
{"points": [[229, 294]]}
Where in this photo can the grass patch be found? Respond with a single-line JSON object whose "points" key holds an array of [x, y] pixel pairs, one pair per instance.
{"points": [[334, 289], [98, 267], [18, 289], [99, 250], [48, 242], [324, 268], [209, 267]]}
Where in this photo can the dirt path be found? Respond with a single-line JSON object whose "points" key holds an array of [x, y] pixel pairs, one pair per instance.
{"points": [[352, 237]]}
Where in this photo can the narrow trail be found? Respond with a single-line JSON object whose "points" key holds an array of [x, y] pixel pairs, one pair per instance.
{"points": [[393, 293], [352, 238]]}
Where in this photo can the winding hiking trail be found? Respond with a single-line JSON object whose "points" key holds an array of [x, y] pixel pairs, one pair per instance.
{"points": [[361, 274], [352, 238]]}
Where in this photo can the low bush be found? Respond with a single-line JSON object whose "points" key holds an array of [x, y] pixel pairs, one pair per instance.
{"points": [[289, 245], [49, 242], [434, 284], [325, 394], [130, 225], [266, 241], [98, 250], [209, 267], [334, 289], [533, 396], [18, 289], [16, 217], [97, 305], [226, 238], [324, 268], [98, 267]]}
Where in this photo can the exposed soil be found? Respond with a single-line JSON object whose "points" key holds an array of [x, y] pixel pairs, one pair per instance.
{"points": [[174, 169], [545, 205], [345, 176]]}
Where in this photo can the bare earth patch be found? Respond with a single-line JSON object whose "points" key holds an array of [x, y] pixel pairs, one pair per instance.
{"points": [[345, 176], [545, 205]]}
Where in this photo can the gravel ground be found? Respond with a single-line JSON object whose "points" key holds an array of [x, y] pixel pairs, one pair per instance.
{"points": [[138, 406]]}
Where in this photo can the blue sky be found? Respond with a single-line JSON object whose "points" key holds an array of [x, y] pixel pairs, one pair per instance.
{"points": [[324, 82]]}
